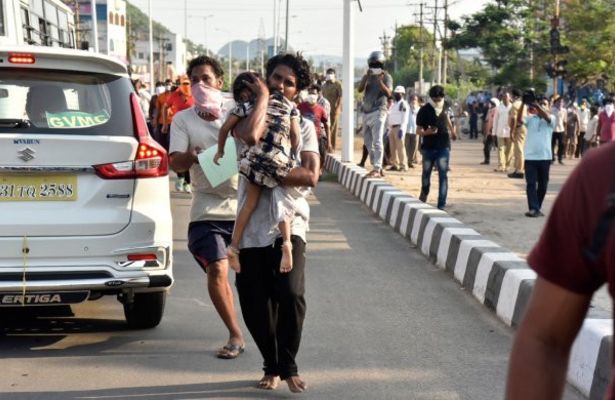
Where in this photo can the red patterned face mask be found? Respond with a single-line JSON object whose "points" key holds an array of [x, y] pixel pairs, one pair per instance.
{"points": [[207, 100]]}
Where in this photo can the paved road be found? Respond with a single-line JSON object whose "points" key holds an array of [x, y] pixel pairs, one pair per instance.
{"points": [[382, 323]]}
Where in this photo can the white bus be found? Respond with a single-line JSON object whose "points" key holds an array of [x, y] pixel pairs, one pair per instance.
{"points": [[37, 22]]}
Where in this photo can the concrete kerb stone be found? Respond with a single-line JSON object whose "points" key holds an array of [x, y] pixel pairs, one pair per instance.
{"points": [[602, 371], [496, 277], [386, 202], [377, 199], [585, 353]]}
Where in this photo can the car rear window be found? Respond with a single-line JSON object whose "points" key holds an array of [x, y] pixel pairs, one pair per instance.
{"points": [[64, 102]]}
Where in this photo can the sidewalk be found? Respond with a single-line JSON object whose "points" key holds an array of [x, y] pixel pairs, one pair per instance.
{"points": [[488, 201]]}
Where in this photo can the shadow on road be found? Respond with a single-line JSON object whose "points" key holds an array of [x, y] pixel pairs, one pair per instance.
{"points": [[243, 389]]}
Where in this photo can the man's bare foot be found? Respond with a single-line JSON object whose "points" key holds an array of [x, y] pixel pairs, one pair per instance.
{"points": [[286, 263], [232, 254], [268, 382], [296, 384]]}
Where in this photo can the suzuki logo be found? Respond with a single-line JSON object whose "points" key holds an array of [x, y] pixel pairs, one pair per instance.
{"points": [[26, 154]]}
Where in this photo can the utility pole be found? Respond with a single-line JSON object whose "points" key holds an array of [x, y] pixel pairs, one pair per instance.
{"points": [[384, 40], [421, 43], [261, 46], [555, 26], [395, 53], [445, 45], [421, 49], [435, 40], [287, 19]]}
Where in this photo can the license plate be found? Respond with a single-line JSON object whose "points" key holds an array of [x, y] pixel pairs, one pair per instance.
{"points": [[38, 188], [43, 299]]}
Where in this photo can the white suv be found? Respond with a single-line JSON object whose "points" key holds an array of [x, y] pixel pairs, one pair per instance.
{"points": [[84, 190]]}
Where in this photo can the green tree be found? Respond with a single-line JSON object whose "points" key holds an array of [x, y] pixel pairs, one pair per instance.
{"points": [[508, 33], [588, 28]]}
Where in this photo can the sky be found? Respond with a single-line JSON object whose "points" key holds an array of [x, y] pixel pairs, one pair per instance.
{"points": [[315, 27]]}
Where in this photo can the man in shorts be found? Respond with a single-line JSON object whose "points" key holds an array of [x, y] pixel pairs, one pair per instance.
{"points": [[213, 209]]}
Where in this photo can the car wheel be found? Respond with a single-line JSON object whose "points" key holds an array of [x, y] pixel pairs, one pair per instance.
{"points": [[145, 311]]}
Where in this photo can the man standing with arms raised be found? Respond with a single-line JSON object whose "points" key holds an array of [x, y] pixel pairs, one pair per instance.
{"points": [[378, 87], [213, 210]]}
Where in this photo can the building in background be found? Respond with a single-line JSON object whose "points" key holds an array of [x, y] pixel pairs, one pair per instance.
{"points": [[170, 57], [111, 17]]}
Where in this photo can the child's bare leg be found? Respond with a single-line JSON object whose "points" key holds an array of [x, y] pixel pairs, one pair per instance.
{"points": [[286, 263], [253, 192]]}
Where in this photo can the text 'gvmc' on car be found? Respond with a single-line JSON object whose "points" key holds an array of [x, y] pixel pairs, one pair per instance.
{"points": [[84, 189]]}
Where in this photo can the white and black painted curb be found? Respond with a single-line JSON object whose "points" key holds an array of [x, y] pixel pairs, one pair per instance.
{"points": [[495, 276]]}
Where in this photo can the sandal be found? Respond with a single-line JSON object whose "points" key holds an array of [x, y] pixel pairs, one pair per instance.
{"points": [[230, 351], [374, 174]]}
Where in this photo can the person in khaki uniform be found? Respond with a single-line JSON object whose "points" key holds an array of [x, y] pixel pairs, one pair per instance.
{"points": [[332, 91], [517, 134]]}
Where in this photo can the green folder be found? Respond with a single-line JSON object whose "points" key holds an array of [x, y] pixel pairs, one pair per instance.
{"points": [[217, 174]]}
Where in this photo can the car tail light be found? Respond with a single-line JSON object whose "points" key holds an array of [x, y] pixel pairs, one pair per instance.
{"points": [[142, 257], [151, 160], [21, 58]]}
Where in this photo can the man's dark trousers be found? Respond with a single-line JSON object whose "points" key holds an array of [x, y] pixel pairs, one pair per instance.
{"points": [[537, 180], [273, 304], [558, 138]]}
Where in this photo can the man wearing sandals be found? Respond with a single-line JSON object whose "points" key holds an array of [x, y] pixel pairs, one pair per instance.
{"points": [[213, 209], [272, 302]]}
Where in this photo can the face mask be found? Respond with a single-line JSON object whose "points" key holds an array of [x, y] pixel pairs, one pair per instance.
{"points": [[160, 90], [207, 100], [439, 103], [376, 71], [167, 88], [303, 95], [330, 77], [609, 108], [312, 98]]}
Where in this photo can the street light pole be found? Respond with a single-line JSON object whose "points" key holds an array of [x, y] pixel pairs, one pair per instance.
{"points": [[275, 24], [556, 25], [205, 18], [348, 99], [287, 18], [151, 48], [94, 25]]}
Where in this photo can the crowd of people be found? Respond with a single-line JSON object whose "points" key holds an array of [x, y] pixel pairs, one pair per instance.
{"points": [[527, 130], [283, 124]]}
